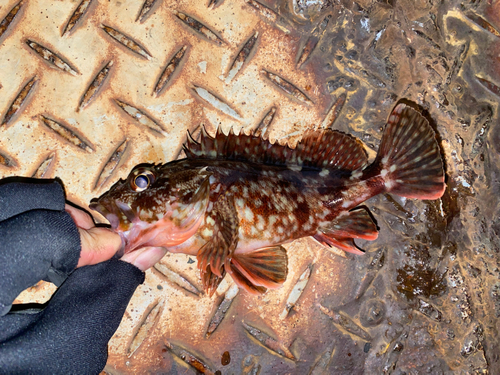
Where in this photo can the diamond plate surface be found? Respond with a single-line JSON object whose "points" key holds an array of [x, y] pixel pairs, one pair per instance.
{"points": [[89, 89]]}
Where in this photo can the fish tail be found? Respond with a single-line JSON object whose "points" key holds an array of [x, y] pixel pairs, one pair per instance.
{"points": [[409, 159]]}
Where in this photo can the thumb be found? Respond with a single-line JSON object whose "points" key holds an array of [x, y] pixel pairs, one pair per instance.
{"points": [[98, 245]]}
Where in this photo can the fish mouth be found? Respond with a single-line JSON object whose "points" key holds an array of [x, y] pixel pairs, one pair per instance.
{"points": [[113, 213]]}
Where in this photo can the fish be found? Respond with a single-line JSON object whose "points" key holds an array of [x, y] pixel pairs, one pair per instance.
{"points": [[235, 199]]}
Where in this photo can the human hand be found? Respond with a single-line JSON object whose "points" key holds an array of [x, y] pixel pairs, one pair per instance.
{"points": [[98, 243]]}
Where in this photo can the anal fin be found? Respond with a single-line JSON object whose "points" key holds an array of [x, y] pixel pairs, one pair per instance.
{"points": [[346, 244], [259, 270], [224, 240], [353, 224], [342, 231]]}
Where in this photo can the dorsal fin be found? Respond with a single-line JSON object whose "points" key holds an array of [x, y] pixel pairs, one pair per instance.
{"points": [[318, 149]]}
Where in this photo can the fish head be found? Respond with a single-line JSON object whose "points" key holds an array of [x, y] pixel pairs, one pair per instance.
{"points": [[156, 205]]}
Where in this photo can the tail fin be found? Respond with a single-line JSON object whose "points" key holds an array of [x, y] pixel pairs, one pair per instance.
{"points": [[408, 158]]}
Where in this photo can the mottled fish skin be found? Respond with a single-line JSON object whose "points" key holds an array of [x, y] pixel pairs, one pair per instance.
{"points": [[236, 198]]}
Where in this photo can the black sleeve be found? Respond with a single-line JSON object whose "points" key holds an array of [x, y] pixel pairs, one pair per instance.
{"points": [[36, 245], [70, 336], [18, 195]]}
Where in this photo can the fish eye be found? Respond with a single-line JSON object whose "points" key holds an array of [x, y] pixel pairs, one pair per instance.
{"points": [[142, 180]]}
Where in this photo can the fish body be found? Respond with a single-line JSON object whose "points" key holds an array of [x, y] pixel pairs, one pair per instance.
{"points": [[236, 199]]}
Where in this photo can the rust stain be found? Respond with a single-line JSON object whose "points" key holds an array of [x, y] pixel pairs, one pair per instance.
{"points": [[242, 57], [169, 70], [176, 279], [44, 167], [222, 310], [95, 85], [9, 18], [346, 323], [477, 19], [77, 15], [199, 28], [66, 133], [7, 161], [287, 87], [127, 42], [19, 101], [268, 342], [216, 102], [262, 130], [489, 85], [268, 14], [148, 321], [145, 10], [297, 291], [51, 57], [111, 164], [214, 3], [312, 41], [141, 117], [334, 111], [195, 362]]}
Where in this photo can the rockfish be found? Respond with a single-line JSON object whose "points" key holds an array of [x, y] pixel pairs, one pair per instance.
{"points": [[235, 199]]}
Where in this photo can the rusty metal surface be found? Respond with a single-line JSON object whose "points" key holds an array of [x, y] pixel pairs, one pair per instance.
{"points": [[89, 89]]}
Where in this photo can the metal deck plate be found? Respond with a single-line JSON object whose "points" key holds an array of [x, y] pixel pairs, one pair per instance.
{"points": [[89, 89]]}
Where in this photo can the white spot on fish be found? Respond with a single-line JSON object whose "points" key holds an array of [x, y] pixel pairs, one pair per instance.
{"points": [[273, 219], [240, 202], [392, 168], [356, 174], [248, 214], [210, 220], [383, 172], [260, 223], [207, 232], [324, 172], [346, 204], [295, 168]]}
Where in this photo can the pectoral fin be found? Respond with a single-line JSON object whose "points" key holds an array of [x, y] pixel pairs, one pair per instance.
{"points": [[261, 269], [212, 256]]}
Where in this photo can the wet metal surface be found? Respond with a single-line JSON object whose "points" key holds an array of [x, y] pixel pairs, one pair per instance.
{"points": [[90, 89]]}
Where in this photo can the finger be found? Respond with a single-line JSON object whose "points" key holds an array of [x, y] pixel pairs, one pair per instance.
{"points": [[145, 258], [98, 245], [82, 219]]}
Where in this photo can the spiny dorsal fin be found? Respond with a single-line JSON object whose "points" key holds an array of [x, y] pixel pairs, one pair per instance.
{"points": [[317, 149]]}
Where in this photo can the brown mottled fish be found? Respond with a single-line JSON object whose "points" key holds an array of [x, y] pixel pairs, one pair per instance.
{"points": [[235, 199]]}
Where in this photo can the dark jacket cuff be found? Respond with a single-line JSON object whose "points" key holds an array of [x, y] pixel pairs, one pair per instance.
{"points": [[70, 336], [19, 196], [36, 245]]}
